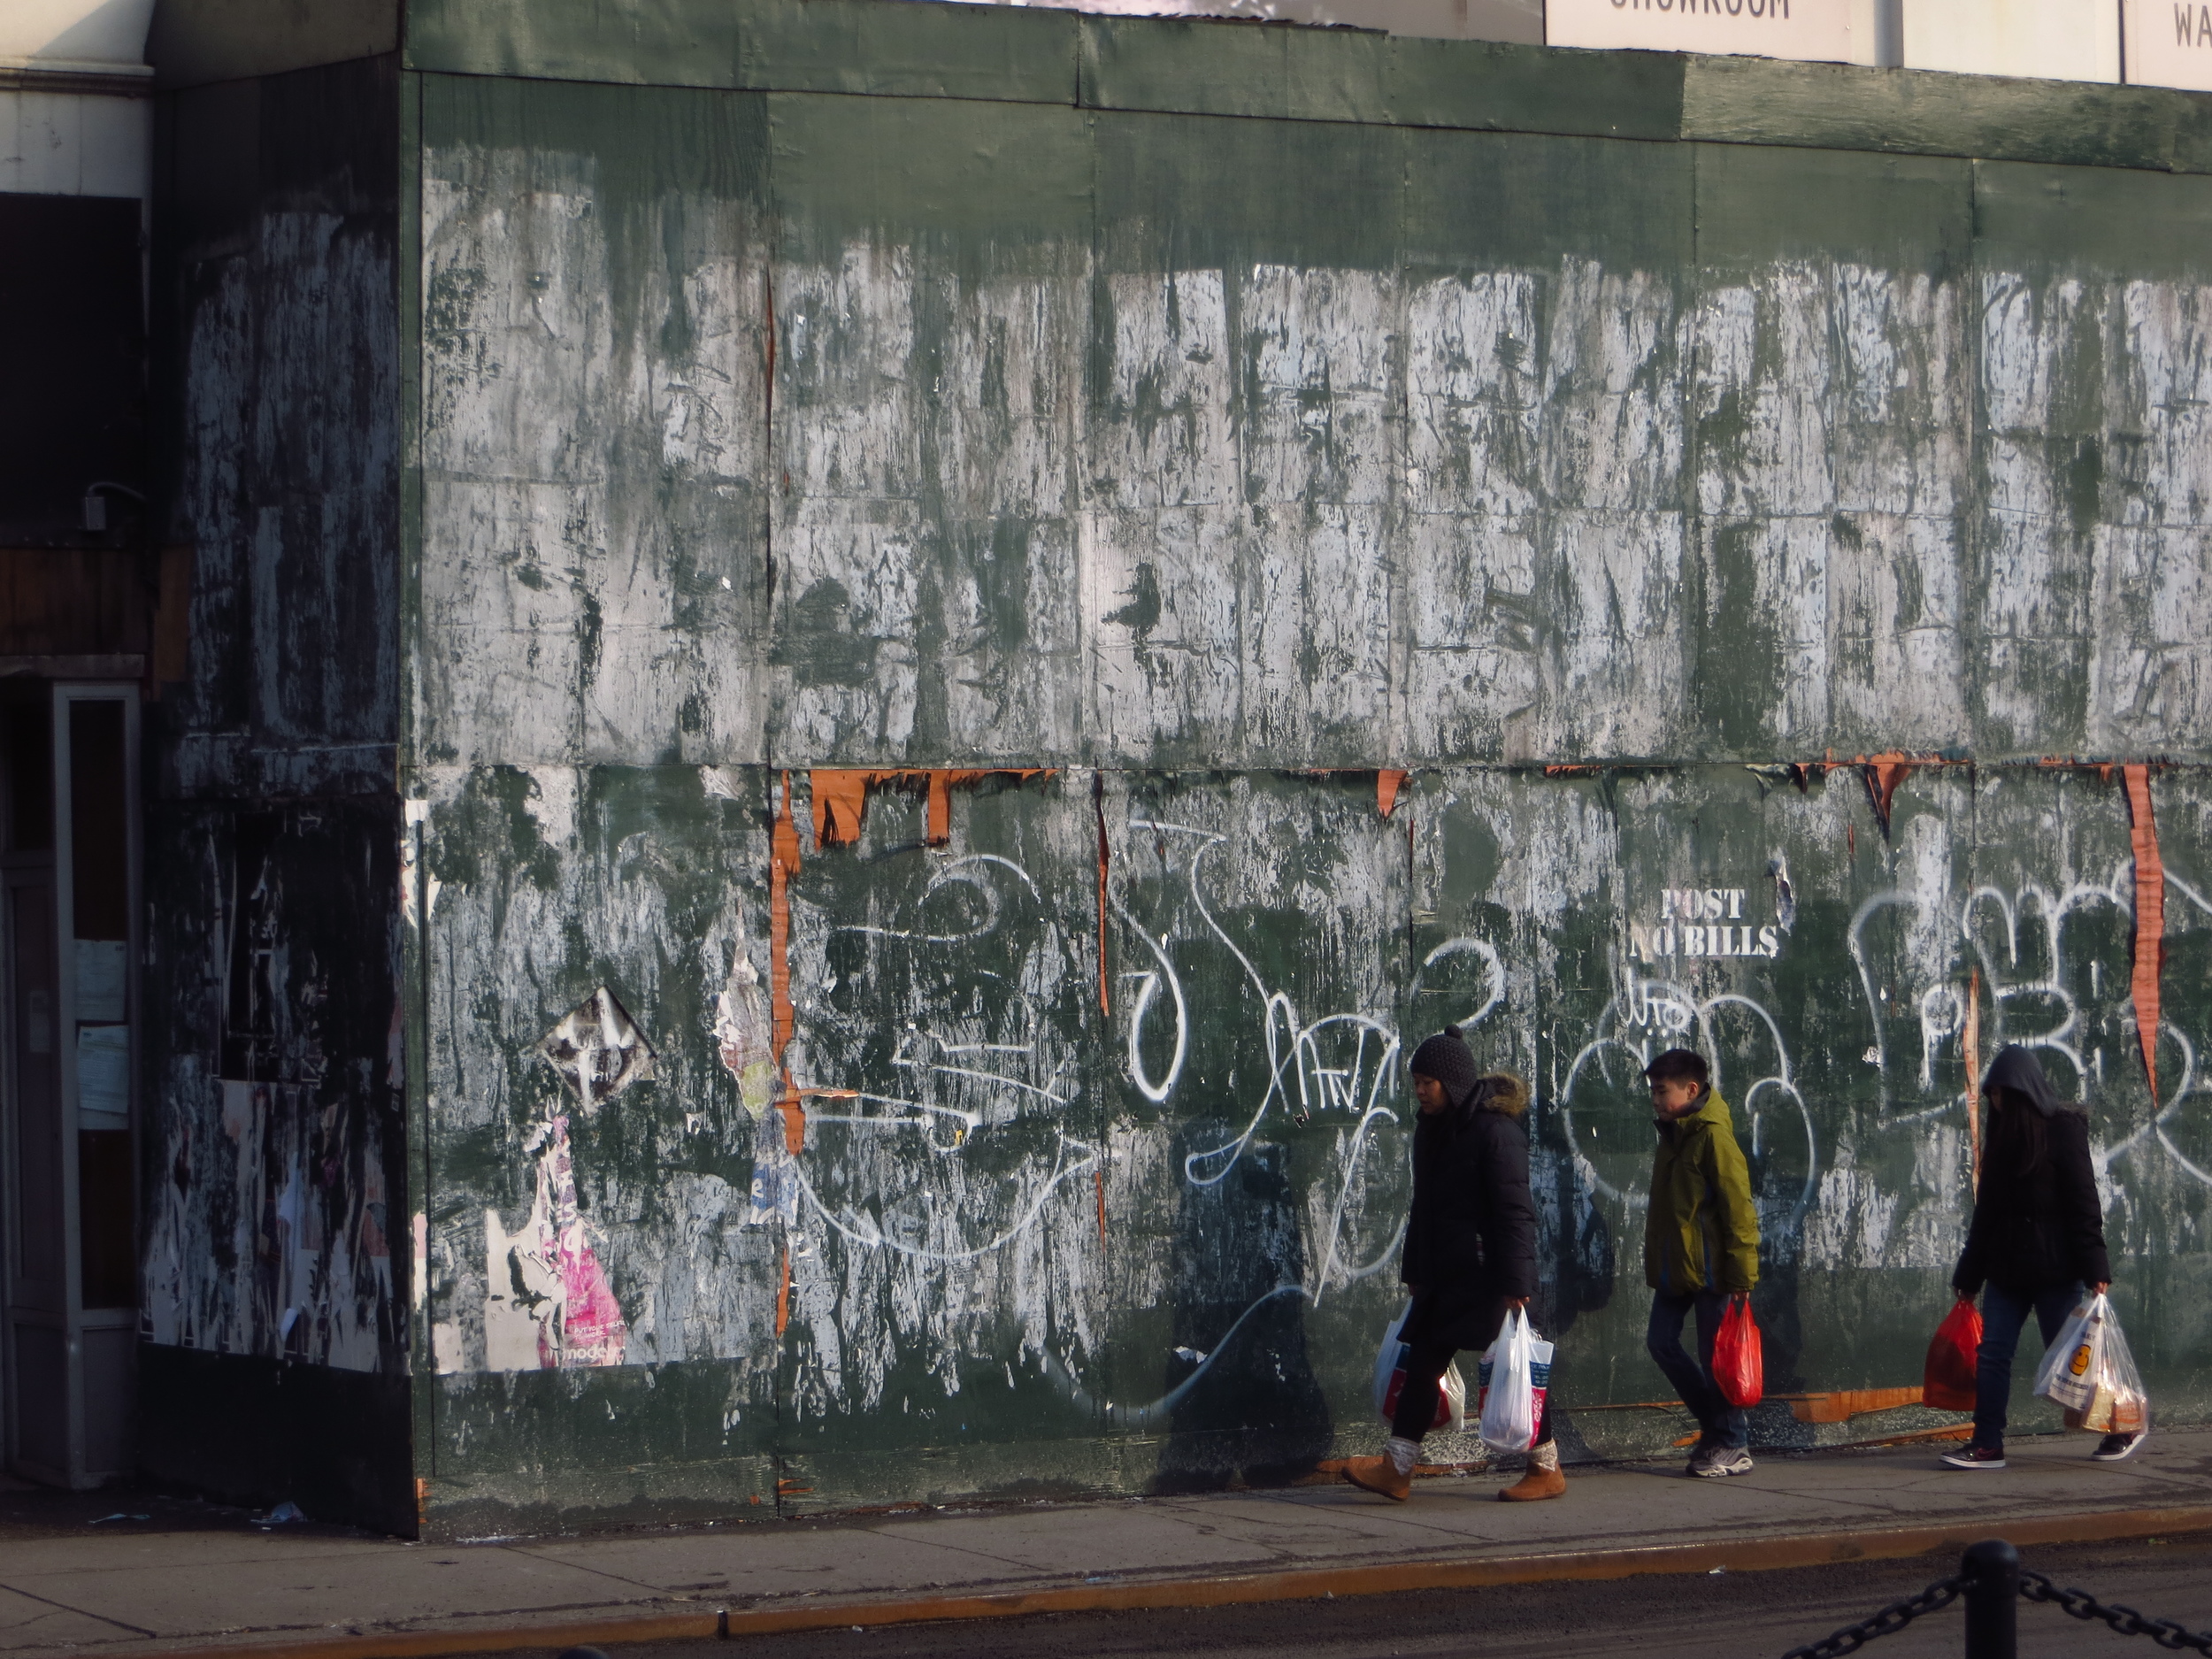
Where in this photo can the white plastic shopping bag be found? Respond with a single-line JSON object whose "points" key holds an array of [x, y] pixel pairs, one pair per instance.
{"points": [[2120, 1405], [2093, 1375], [2067, 1374], [1390, 1381], [1539, 1375], [1509, 1400]]}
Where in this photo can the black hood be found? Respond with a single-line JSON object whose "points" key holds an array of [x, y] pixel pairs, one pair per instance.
{"points": [[2014, 1068]]}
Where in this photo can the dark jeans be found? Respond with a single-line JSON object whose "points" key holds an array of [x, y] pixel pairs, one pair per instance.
{"points": [[1692, 1379], [1417, 1401], [2004, 1316]]}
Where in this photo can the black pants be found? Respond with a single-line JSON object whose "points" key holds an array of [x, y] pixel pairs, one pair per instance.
{"points": [[1416, 1402]]}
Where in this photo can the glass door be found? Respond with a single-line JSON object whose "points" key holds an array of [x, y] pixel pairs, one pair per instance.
{"points": [[69, 862]]}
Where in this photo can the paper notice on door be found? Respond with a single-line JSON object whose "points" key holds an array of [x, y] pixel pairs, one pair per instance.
{"points": [[100, 972], [103, 1077]]}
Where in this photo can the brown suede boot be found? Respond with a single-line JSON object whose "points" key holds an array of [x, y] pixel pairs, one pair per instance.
{"points": [[1542, 1480], [1380, 1474]]}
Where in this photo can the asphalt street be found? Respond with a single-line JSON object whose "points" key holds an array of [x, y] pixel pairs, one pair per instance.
{"points": [[1728, 1616]]}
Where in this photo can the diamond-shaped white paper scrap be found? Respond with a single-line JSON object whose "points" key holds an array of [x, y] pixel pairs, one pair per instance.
{"points": [[598, 1048]]}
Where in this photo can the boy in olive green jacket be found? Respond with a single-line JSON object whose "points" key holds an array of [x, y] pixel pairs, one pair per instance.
{"points": [[1701, 1247]]}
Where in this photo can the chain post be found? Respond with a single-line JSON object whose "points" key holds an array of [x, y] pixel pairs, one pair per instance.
{"points": [[1989, 1571]]}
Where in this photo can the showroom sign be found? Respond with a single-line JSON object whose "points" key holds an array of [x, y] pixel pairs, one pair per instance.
{"points": [[1817, 29]]}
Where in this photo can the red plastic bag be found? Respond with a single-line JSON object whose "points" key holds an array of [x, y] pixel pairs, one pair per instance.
{"points": [[1953, 1358], [1738, 1363]]}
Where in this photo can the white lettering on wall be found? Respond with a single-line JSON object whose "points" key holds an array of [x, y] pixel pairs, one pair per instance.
{"points": [[1705, 922]]}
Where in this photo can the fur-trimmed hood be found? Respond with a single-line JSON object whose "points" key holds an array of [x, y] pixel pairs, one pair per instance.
{"points": [[1502, 1092]]}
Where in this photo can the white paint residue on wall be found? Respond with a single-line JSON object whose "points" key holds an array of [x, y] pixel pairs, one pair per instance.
{"points": [[307, 1236], [549, 563]]}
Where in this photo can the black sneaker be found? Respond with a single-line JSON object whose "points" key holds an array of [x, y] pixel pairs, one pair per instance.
{"points": [[1976, 1457], [2113, 1447]]}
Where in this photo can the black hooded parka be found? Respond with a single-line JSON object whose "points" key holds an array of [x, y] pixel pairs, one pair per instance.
{"points": [[1470, 1240], [2040, 1227]]}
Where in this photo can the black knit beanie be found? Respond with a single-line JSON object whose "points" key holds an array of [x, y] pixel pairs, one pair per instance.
{"points": [[1447, 1057]]}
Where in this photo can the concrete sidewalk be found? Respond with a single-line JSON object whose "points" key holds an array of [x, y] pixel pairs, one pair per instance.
{"points": [[156, 1591]]}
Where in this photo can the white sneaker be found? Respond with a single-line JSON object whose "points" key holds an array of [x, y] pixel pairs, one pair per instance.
{"points": [[1716, 1462]]}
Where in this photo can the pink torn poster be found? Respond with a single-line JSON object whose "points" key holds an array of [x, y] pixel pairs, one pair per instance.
{"points": [[550, 1306], [591, 1328]]}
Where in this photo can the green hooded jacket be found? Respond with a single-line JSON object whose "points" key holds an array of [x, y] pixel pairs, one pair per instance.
{"points": [[1701, 1224]]}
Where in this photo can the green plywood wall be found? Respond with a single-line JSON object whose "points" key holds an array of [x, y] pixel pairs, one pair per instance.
{"points": [[1040, 1239], [1182, 409]]}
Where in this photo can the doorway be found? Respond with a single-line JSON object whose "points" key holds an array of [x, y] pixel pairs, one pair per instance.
{"points": [[69, 1065]]}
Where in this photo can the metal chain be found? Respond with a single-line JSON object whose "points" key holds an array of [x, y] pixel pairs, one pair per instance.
{"points": [[1888, 1622], [2035, 1586]]}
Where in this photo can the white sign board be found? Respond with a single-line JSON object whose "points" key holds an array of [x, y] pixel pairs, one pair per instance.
{"points": [[1818, 30], [2056, 40], [2169, 44], [103, 1077]]}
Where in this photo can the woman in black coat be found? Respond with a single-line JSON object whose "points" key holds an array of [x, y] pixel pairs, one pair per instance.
{"points": [[2036, 1242], [1470, 1250]]}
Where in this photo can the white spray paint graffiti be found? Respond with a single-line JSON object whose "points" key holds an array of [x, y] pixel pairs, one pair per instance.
{"points": [[989, 1074], [1648, 1015], [934, 1068], [1337, 1065], [1987, 932]]}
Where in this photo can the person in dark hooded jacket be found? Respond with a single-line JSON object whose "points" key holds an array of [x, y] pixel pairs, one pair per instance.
{"points": [[1470, 1251], [2036, 1242]]}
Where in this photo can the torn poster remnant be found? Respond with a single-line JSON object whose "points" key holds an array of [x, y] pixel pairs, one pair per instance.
{"points": [[598, 1050], [744, 1031], [548, 1305], [303, 1268]]}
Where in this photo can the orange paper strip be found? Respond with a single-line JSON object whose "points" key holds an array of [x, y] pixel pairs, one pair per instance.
{"points": [[783, 863], [2150, 918], [1884, 773], [1386, 790], [841, 796]]}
